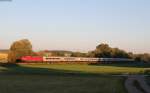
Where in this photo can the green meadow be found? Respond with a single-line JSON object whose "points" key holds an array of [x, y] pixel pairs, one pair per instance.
{"points": [[65, 78], [91, 69]]}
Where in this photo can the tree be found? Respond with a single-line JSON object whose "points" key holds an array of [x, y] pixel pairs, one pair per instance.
{"points": [[103, 50], [117, 53], [78, 54], [91, 54], [146, 58], [142, 57], [18, 49]]}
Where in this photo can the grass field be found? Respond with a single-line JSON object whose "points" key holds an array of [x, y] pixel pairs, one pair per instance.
{"points": [[65, 78], [45, 79], [94, 69], [60, 84]]}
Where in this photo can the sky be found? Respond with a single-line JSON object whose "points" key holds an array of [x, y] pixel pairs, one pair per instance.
{"points": [[77, 25]]}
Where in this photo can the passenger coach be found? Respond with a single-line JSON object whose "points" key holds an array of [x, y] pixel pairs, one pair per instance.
{"points": [[73, 59]]}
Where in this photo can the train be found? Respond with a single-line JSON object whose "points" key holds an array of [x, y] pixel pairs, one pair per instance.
{"points": [[72, 59]]}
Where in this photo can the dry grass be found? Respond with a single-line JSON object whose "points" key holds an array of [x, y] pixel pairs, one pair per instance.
{"points": [[3, 57]]}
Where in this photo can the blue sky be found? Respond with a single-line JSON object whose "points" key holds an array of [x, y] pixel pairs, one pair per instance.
{"points": [[77, 25]]}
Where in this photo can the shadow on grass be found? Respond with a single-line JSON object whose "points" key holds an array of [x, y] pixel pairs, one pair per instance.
{"points": [[22, 70], [134, 64]]}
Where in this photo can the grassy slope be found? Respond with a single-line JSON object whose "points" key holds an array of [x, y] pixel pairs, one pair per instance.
{"points": [[60, 84], [65, 78], [44, 79], [100, 69]]}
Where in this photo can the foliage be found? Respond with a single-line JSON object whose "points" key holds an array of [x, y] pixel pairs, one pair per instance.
{"points": [[105, 51], [19, 49], [54, 53], [62, 53], [24, 47], [142, 57], [78, 54], [117, 53]]}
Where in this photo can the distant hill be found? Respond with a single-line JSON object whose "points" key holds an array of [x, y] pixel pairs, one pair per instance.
{"points": [[55, 53], [4, 51], [62, 51]]}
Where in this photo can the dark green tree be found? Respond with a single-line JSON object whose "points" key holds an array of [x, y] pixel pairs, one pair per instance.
{"points": [[18, 49], [103, 50]]}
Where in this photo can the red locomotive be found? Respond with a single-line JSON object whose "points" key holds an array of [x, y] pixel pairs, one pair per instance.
{"points": [[32, 59]]}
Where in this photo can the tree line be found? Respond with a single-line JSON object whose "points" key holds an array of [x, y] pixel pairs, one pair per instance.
{"points": [[24, 48]]}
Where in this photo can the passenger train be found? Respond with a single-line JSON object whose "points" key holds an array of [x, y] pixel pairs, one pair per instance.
{"points": [[72, 59]]}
